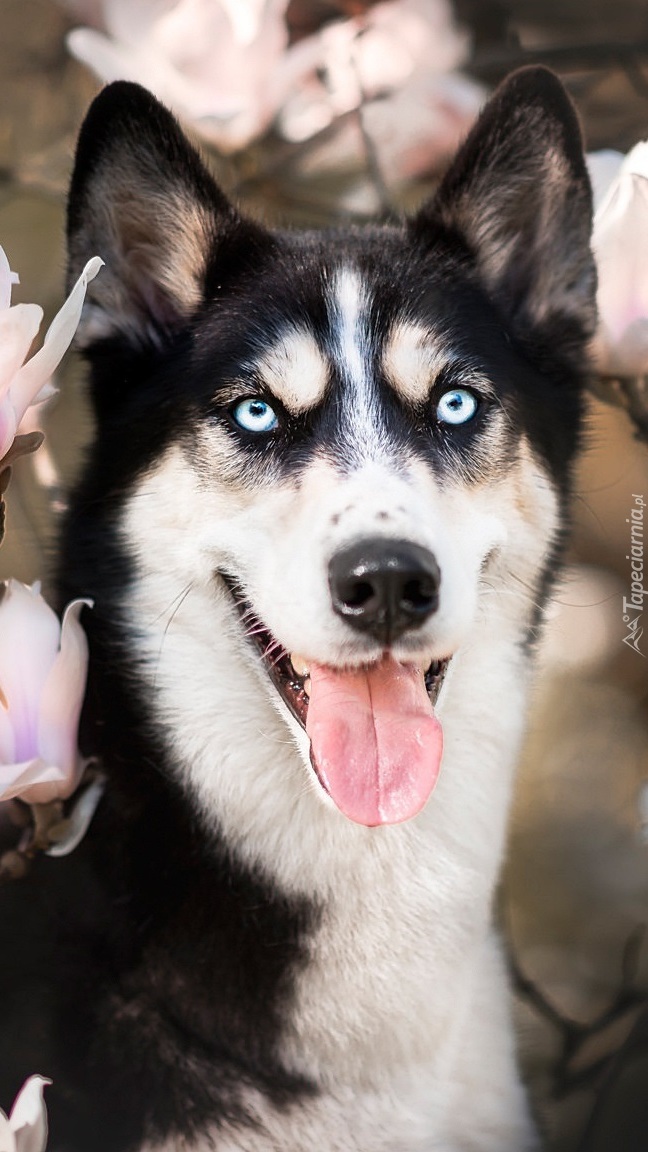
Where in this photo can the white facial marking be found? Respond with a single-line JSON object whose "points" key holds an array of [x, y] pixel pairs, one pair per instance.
{"points": [[362, 423], [412, 360], [350, 300], [295, 371]]}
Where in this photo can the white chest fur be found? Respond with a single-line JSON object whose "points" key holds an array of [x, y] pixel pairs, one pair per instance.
{"points": [[403, 908], [383, 1012]]}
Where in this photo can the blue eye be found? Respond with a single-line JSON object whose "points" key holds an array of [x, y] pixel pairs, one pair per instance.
{"points": [[456, 407], [255, 415]]}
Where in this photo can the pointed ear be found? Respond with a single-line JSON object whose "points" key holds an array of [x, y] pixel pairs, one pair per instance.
{"points": [[142, 199], [518, 196]]}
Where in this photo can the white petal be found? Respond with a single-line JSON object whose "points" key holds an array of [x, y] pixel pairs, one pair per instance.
{"points": [[62, 699], [29, 1116], [35, 374], [603, 167], [107, 60], [29, 642], [7, 426], [7, 1138], [626, 355], [620, 246], [245, 16], [18, 326], [79, 819], [636, 162], [7, 278]]}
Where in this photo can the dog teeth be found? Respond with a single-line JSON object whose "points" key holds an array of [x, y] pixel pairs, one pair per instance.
{"points": [[307, 686], [299, 665]]}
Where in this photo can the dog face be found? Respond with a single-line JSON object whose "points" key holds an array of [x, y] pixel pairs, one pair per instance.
{"points": [[351, 448]]}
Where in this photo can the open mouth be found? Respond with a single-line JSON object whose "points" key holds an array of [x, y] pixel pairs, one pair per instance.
{"points": [[289, 672], [375, 741]]}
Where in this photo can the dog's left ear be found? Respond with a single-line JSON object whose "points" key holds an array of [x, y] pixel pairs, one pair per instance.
{"points": [[518, 195]]}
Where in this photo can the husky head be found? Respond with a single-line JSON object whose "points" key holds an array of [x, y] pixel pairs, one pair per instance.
{"points": [[333, 466]]}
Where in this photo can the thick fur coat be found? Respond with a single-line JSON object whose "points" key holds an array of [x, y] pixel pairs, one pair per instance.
{"points": [[273, 937]]}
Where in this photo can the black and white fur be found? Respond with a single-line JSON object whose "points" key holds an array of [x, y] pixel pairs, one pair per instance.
{"points": [[226, 961]]}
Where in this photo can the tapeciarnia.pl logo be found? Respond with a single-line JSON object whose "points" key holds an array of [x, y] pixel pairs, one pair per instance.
{"points": [[633, 605]]}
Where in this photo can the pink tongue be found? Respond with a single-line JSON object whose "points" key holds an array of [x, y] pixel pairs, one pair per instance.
{"points": [[375, 741]]}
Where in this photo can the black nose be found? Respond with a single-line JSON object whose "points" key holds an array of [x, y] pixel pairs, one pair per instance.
{"points": [[384, 587]]}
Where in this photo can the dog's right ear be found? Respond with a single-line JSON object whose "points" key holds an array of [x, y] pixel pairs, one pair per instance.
{"points": [[517, 197], [142, 199]]}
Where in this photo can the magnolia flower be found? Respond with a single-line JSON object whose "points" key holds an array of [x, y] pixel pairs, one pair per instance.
{"points": [[25, 1130], [227, 67], [24, 384], [217, 63], [416, 131], [398, 47], [620, 245], [43, 669]]}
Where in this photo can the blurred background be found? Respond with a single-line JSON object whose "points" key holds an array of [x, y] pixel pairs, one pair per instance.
{"points": [[315, 111]]}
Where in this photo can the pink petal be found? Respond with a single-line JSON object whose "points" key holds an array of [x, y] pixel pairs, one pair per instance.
{"points": [[33, 781], [29, 1117], [624, 356], [18, 326], [35, 374], [7, 739], [29, 642], [62, 699]]}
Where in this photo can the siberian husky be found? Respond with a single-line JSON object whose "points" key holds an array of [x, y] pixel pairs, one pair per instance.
{"points": [[319, 521]]}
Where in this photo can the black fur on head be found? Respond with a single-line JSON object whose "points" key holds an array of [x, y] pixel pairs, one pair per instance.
{"points": [[516, 200], [189, 283]]}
